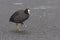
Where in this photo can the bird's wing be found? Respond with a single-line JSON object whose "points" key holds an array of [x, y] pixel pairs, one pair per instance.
{"points": [[20, 17]]}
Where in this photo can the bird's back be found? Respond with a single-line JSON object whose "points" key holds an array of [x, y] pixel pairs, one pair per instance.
{"points": [[19, 16]]}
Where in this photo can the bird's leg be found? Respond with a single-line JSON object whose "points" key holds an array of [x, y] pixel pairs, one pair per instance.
{"points": [[23, 24], [17, 27]]}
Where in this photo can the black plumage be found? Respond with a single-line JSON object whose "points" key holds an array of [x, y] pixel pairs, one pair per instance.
{"points": [[20, 16]]}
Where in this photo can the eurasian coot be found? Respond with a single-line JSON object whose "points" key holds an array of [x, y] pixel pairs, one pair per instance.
{"points": [[19, 17]]}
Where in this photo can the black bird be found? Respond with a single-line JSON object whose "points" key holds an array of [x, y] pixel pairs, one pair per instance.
{"points": [[19, 17]]}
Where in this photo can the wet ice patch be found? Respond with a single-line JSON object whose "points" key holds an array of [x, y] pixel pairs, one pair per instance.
{"points": [[42, 7], [17, 3]]}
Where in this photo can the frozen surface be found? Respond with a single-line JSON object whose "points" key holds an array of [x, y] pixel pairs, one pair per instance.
{"points": [[43, 24]]}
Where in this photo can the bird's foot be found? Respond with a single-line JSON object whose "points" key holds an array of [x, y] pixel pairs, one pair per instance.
{"points": [[18, 30]]}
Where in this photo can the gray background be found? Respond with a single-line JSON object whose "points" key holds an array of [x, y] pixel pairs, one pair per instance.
{"points": [[43, 24]]}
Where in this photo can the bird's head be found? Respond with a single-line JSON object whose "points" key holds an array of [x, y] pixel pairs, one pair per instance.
{"points": [[27, 10]]}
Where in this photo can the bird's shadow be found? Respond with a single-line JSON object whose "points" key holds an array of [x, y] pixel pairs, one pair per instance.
{"points": [[24, 32]]}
